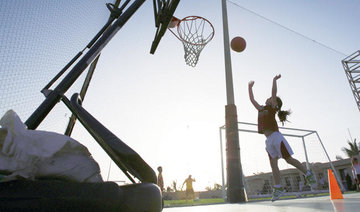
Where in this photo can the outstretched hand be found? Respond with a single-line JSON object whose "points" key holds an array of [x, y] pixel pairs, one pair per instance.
{"points": [[251, 84], [277, 77]]}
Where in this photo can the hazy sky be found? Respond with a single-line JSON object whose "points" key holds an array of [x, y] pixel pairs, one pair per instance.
{"points": [[170, 113]]}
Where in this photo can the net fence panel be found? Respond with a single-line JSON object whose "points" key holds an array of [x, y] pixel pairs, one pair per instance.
{"points": [[38, 38]]}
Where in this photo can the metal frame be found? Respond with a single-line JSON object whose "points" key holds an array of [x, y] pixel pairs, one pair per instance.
{"points": [[115, 13], [143, 194], [302, 136], [351, 66], [163, 13], [125, 158]]}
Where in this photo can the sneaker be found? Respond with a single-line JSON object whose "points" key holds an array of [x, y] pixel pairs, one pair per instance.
{"points": [[277, 193], [310, 179]]}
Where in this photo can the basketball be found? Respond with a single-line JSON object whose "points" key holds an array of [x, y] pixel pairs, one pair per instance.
{"points": [[238, 44]]}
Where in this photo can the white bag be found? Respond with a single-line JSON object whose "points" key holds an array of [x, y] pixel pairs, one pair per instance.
{"points": [[32, 154]]}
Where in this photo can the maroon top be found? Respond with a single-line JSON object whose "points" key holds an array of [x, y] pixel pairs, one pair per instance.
{"points": [[266, 119]]}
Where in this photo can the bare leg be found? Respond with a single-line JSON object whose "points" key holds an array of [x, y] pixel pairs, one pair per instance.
{"points": [[296, 164], [275, 170]]}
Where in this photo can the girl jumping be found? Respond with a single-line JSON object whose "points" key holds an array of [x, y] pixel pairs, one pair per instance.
{"points": [[276, 145]]}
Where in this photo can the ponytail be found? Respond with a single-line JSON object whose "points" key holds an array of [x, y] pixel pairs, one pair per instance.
{"points": [[282, 114]]}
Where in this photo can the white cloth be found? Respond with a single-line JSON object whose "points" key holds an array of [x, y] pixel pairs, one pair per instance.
{"points": [[34, 153], [273, 145]]}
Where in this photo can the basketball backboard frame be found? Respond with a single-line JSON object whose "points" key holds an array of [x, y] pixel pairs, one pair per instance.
{"points": [[163, 13]]}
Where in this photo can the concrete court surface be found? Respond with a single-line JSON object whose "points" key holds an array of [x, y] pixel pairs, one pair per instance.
{"points": [[350, 203]]}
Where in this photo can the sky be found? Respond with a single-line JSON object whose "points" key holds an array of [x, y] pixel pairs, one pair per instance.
{"points": [[171, 113]]}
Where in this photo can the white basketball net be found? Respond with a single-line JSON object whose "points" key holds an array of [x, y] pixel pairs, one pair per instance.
{"points": [[194, 32]]}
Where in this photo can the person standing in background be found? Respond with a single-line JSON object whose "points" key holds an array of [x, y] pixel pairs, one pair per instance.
{"points": [[160, 179]]}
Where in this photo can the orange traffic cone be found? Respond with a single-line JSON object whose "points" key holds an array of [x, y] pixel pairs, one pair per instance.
{"points": [[335, 192]]}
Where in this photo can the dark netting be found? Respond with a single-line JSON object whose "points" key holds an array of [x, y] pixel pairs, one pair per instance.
{"points": [[38, 38]]}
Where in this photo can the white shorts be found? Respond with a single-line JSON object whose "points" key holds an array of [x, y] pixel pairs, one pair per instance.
{"points": [[273, 145]]}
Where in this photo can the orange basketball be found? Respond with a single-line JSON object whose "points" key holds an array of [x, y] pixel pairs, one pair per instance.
{"points": [[238, 44]]}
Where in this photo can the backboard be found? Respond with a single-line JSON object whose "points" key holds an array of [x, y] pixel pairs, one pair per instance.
{"points": [[163, 13]]}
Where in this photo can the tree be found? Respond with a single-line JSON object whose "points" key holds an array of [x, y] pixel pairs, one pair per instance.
{"points": [[353, 150], [339, 157], [208, 188], [216, 187]]}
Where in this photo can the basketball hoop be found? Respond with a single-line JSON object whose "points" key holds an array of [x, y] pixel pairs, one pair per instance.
{"points": [[194, 32]]}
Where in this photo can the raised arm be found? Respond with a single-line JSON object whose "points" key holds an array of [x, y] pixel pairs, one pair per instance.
{"points": [[251, 95], [274, 90]]}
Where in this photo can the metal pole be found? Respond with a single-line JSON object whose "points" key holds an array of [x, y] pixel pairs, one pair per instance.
{"points": [[84, 88], [109, 171], [228, 70], [235, 190], [306, 156], [332, 166], [307, 161], [222, 166]]}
